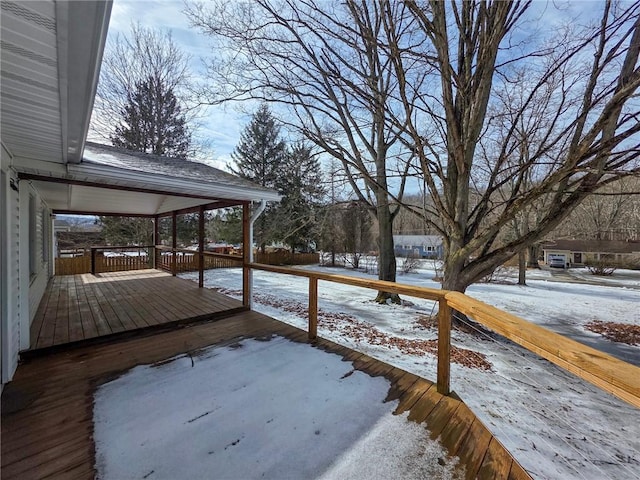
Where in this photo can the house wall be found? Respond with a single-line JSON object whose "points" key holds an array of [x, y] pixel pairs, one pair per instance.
{"points": [[10, 285], [25, 262], [35, 254], [589, 256], [419, 250]]}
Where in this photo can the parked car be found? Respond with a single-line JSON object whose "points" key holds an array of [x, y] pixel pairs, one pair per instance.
{"points": [[556, 262]]}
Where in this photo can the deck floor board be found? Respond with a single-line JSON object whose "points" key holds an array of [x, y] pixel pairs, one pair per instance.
{"points": [[77, 308], [47, 410]]}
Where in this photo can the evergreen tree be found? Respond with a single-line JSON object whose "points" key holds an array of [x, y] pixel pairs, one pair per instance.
{"points": [[302, 190], [152, 121], [226, 226], [126, 230], [260, 157]]}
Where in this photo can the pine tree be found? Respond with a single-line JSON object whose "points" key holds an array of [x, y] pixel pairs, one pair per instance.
{"points": [[302, 190], [152, 122], [260, 157]]}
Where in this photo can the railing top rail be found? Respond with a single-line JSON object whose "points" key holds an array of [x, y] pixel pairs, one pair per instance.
{"points": [[229, 256], [602, 370], [196, 252], [606, 372], [171, 249], [119, 247], [392, 287]]}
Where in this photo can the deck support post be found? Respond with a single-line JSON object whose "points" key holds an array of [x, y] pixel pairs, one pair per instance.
{"points": [[174, 242], [93, 261], [444, 347], [246, 255], [201, 247], [156, 241], [313, 308]]}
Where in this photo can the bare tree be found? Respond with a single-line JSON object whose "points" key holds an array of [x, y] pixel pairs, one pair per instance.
{"points": [[585, 83], [608, 214], [145, 55], [325, 64]]}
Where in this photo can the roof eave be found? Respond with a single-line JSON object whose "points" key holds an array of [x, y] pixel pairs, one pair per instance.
{"points": [[109, 175], [80, 58]]}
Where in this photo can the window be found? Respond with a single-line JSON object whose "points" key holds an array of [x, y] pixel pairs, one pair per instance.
{"points": [[33, 264], [44, 234]]}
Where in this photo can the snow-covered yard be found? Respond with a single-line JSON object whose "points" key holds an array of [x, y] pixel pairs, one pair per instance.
{"points": [[555, 424], [271, 409]]}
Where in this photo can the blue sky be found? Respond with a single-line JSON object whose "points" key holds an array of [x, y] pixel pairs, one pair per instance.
{"points": [[222, 125]]}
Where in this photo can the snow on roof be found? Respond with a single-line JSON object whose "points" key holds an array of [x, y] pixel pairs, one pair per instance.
{"points": [[180, 169], [413, 240]]}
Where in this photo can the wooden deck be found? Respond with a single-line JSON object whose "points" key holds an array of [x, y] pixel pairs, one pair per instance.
{"points": [[47, 424], [77, 308]]}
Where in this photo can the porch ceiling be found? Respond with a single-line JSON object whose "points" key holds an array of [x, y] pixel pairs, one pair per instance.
{"points": [[50, 60], [66, 198]]}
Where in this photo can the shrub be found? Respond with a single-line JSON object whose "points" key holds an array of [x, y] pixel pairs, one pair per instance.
{"points": [[499, 275], [410, 264], [603, 267]]}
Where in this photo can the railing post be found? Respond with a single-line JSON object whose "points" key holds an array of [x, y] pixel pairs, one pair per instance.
{"points": [[444, 347], [174, 243], [201, 247], [246, 256], [93, 261], [313, 308], [156, 241]]}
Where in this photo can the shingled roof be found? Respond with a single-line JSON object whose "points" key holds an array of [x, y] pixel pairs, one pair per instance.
{"points": [[168, 167], [594, 246]]}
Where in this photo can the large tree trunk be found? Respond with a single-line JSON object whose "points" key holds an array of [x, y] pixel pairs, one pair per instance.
{"points": [[454, 276], [386, 257], [522, 268], [533, 256]]}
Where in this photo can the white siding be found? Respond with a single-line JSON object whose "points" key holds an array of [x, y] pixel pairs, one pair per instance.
{"points": [[34, 267], [38, 281], [14, 274], [10, 272]]}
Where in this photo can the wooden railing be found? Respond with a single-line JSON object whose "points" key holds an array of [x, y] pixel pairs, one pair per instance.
{"points": [[181, 260], [73, 265], [286, 258], [602, 370], [101, 263]]}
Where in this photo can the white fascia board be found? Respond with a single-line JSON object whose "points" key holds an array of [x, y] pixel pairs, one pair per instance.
{"points": [[39, 167], [87, 26], [173, 185]]}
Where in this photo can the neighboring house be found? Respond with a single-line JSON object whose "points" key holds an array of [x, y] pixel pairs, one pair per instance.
{"points": [[577, 252], [419, 246], [51, 55]]}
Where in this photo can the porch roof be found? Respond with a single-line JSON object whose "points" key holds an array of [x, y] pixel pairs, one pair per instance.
{"points": [[147, 184], [50, 63]]}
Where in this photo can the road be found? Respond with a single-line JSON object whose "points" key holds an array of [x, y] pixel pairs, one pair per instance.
{"points": [[627, 353]]}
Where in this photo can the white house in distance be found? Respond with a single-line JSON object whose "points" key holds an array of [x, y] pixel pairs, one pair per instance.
{"points": [[418, 246], [51, 55], [577, 252]]}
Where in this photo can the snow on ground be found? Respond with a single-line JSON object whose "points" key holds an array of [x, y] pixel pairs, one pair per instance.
{"points": [[556, 425], [258, 409], [620, 277]]}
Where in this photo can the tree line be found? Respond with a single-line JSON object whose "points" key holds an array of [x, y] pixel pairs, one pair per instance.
{"points": [[506, 121]]}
